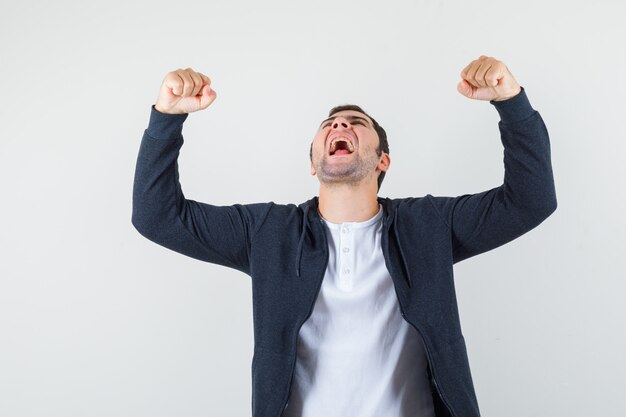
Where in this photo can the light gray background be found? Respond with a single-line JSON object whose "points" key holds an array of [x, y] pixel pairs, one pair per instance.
{"points": [[95, 320]]}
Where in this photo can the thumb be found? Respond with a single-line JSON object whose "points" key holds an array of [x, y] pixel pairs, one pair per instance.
{"points": [[465, 88], [207, 97]]}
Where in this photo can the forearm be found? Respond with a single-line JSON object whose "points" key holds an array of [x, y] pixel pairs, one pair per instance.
{"points": [[161, 213], [156, 190], [528, 177], [483, 221]]}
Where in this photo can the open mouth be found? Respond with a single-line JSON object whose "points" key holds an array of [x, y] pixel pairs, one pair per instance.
{"points": [[340, 146]]}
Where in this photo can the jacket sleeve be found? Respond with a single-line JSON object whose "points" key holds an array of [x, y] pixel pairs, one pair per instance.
{"points": [[161, 213], [486, 220]]}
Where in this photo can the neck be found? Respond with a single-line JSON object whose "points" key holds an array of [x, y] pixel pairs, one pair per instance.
{"points": [[347, 203]]}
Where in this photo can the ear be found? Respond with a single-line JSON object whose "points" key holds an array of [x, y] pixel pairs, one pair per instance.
{"points": [[310, 151], [384, 162]]}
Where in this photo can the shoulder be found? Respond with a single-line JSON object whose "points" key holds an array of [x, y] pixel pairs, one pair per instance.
{"points": [[425, 208]]}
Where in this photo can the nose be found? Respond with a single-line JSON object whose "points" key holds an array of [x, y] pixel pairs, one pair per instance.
{"points": [[340, 121]]}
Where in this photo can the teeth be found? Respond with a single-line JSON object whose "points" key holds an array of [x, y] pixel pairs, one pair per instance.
{"points": [[333, 145]]}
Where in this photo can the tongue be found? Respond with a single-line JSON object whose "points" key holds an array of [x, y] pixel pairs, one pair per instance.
{"points": [[342, 152]]}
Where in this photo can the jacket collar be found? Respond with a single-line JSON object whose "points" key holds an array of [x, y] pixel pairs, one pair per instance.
{"points": [[312, 205], [390, 213]]}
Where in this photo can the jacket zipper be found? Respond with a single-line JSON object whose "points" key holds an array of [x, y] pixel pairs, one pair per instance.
{"points": [[293, 366], [430, 363]]}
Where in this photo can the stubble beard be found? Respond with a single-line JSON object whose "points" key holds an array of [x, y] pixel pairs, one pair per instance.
{"points": [[351, 173]]}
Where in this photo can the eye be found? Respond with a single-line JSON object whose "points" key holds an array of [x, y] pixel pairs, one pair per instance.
{"points": [[355, 121]]}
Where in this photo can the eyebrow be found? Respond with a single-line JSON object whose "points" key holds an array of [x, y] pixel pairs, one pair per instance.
{"points": [[350, 118]]}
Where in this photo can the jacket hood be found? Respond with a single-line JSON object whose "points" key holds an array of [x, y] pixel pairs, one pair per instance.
{"points": [[390, 214]]}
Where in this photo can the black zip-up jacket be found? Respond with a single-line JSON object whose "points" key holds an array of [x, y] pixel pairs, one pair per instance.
{"points": [[284, 249]]}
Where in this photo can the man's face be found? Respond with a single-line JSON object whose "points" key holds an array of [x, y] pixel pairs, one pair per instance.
{"points": [[344, 149]]}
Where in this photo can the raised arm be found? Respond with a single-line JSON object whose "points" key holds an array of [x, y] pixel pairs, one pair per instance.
{"points": [[483, 221], [216, 234]]}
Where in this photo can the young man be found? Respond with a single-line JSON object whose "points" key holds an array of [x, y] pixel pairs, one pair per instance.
{"points": [[355, 312]]}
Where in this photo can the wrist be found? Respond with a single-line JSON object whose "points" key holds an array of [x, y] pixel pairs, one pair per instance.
{"points": [[515, 108], [509, 96], [165, 126], [163, 111]]}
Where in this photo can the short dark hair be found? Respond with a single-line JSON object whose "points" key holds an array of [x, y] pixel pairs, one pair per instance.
{"points": [[383, 144]]}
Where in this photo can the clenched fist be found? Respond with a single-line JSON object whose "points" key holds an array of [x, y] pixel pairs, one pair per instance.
{"points": [[185, 91], [486, 78]]}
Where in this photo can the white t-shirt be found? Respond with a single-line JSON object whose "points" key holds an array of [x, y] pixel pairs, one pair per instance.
{"points": [[356, 355]]}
